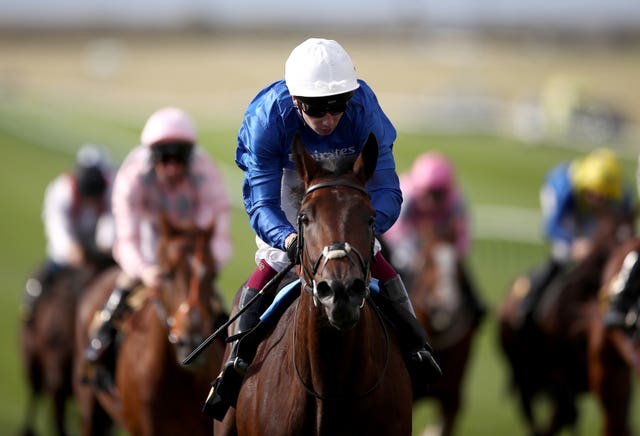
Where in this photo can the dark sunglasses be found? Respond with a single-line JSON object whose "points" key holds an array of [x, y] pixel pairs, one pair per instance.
{"points": [[437, 194], [178, 152], [320, 111]]}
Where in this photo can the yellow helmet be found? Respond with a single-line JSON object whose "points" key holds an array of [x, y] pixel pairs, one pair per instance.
{"points": [[600, 173]]}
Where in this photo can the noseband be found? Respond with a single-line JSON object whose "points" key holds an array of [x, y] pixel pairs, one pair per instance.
{"points": [[336, 250]]}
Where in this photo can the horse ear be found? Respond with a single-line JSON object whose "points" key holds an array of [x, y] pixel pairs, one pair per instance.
{"points": [[305, 164], [210, 229], [365, 164]]}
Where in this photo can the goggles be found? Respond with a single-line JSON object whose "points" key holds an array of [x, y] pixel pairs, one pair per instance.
{"points": [[318, 107], [178, 152]]}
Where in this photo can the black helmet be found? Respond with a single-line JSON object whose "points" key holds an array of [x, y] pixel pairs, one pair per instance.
{"points": [[90, 181], [92, 163]]}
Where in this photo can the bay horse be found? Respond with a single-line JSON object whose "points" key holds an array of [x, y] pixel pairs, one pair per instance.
{"points": [[46, 338], [613, 353], [440, 306], [550, 359], [332, 364], [154, 394]]}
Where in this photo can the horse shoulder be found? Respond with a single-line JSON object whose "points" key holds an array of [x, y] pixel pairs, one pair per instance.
{"points": [[271, 375]]}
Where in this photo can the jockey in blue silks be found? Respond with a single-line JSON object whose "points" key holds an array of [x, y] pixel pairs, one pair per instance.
{"points": [[334, 112], [572, 196]]}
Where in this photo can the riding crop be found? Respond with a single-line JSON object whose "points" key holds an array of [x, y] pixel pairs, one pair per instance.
{"points": [[200, 348]]}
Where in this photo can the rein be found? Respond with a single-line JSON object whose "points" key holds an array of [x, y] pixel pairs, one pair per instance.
{"points": [[372, 388], [198, 270]]}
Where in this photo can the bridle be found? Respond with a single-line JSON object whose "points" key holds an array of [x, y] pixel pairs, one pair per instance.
{"points": [[198, 269], [335, 250]]}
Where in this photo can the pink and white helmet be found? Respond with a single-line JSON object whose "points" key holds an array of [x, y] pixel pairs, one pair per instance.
{"points": [[431, 171], [168, 124]]}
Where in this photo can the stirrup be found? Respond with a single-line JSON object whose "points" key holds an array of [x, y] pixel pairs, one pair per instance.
{"points": [[239, 365], [224, 393], [215, 406], [424, 359]]}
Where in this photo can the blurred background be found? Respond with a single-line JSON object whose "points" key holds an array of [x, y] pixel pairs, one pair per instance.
{"points": [[505, 89]]}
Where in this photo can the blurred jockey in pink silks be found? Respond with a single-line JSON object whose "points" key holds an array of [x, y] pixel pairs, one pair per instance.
{"points": [[431, 197], [168, 173]]}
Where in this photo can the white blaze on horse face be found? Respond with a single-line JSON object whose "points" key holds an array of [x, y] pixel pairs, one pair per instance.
{"points": [[617, 284], [447, 288]]}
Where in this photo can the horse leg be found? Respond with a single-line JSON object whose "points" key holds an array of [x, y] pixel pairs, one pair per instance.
{"points": [[59, 403], [526, 400], [27, 427], [449, 415], [615, 398], [565, 414]]}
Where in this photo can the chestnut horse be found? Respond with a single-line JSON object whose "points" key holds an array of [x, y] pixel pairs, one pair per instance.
{"points": [[549, 359], [614, 354], [46, 339], [332, 365], [442, 310], [154, 393]]}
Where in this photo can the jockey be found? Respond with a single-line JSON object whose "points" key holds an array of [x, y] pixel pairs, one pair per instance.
{"points": [[626, 296], [170, 174], [77, 220], [334, 112], [573, 195], [432, 197]]}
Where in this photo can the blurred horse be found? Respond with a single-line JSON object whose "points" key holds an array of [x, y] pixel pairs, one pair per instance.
{"points": [[550, 358], [46, 338], [154, 393], [435, 293], [614, 354], [332, 364]]}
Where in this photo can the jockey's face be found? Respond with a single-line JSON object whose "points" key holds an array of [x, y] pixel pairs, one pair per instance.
{"points": [[323, 125], [171, 172], [432, 200], [171, 161], [595, 202]]}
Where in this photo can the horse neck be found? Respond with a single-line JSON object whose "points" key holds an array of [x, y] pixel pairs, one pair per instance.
{"points": [[328, 356]]}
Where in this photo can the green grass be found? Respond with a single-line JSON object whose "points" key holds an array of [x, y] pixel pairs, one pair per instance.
{"points": [[37, 140]]}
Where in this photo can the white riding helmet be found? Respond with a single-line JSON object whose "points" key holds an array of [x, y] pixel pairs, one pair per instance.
{"points": [[168, 124], [319, 68]]}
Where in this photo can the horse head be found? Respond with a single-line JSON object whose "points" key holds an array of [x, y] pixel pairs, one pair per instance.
{"points": [[184, 300], [435, 289], [336, 232]]}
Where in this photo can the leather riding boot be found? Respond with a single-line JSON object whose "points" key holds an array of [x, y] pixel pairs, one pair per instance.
{"points": [[225, 388], [103, 337], [626, 295], [245, 322], [411, 334], [540, 280]]}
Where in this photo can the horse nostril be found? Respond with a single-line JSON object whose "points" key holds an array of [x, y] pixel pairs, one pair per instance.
{"points": [[324, 290], [358, 288]]}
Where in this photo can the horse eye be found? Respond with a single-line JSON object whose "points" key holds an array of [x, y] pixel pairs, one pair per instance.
{"points": [[372, 220], [303, 219]]}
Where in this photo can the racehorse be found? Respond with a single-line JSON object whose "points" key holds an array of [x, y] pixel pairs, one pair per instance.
{"points": [[45, 339], [550, 358], [440, 307], [332, 364], [153, 393], [614, 354]]}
